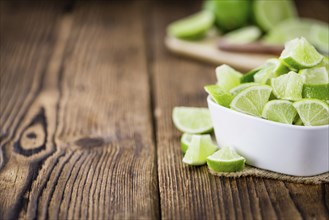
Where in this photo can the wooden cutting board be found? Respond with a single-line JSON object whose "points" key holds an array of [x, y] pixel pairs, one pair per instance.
{"points": [[207, 50]]}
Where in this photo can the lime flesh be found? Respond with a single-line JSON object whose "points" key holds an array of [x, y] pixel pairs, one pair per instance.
{"points": [[227, 77], [313, 112], [280, 111], [226, 160], [220, 96], [288, 86]]}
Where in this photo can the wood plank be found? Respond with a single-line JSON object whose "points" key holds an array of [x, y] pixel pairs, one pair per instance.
{"points": [[191, 192], [82, 147]]}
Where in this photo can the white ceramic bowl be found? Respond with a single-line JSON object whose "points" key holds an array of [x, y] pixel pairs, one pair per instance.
{"points": [[288, 149]]}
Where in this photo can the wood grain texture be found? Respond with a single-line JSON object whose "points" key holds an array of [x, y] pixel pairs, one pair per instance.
{"points": [[191, 192], [76, 130]]}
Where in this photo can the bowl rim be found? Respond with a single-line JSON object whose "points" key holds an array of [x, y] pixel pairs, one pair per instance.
{"points": [[222, 108]]}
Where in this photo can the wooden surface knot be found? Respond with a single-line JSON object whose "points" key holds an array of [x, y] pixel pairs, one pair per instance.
{"points": [[90, 142]]}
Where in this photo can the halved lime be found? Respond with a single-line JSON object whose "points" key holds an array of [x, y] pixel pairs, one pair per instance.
{"points": [[243, 35], [200, 148], [252, 100], [299, 54], [226, 160], [192, 27], [280, 111], [192, 120], [185, 141], [320, 91], [227, 77], [218, 94], [313, 112], [288, 86], [315, 75], [241, 87], [269, 13]]}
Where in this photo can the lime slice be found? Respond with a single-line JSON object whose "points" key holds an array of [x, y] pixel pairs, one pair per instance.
{"points": [[288, 86], [243, 35], [320, 37], [231, 14], [271, 68], [313, 112], [280, 111], [185, 141], [236, 90], [252, 100], [249, 76], [315, 75], [267, 14], [226, 160], [192, 120], [220, 96], [320, 91], [227, 77], [200, 148], [300, 54], [192, 27], [324, 63]]}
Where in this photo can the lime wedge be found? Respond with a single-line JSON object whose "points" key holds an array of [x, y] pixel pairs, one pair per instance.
{"points": [[267, 14], [226, 160], [252, 100], [270, 69], [320, 91], [324, 63], [249, 76], [243, 35], [236, 90], [280, 111], [313, 112], [299, 54], [220, 96], [298, 121], [185, 141], [192, 27], [192, 120], [288, 86], [227, 77], [315, 75], [200, 148]]}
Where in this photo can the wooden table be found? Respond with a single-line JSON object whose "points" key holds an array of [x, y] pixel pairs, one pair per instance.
{"points": [[87, 90]]}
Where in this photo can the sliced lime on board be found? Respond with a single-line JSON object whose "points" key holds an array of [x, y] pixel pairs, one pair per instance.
{"points": [[226, 160], [192, 27], [243, 35]]}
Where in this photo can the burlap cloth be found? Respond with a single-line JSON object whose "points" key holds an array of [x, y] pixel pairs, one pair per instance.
{"points": [[256, 172]]}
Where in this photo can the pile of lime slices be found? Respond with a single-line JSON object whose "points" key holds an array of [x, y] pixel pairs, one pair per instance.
{"points": [[293, 89], [197, 144]]}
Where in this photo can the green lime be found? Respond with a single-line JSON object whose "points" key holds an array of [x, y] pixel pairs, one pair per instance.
{"points": [[324, 63], [231, 14], [192, 120], [226, 160], [320, 91], [192, 27], [313, 112], [241, 87], [249, 76], [185, 141], [280, 111], [288, 86], [227, 77], [243, 35], [219, 95], [267, 14], [200, 148], [252, 100], [315, 75], [299, 54]]}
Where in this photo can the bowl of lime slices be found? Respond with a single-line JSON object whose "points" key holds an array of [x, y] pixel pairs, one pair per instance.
{"points": [[277, 115]]}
